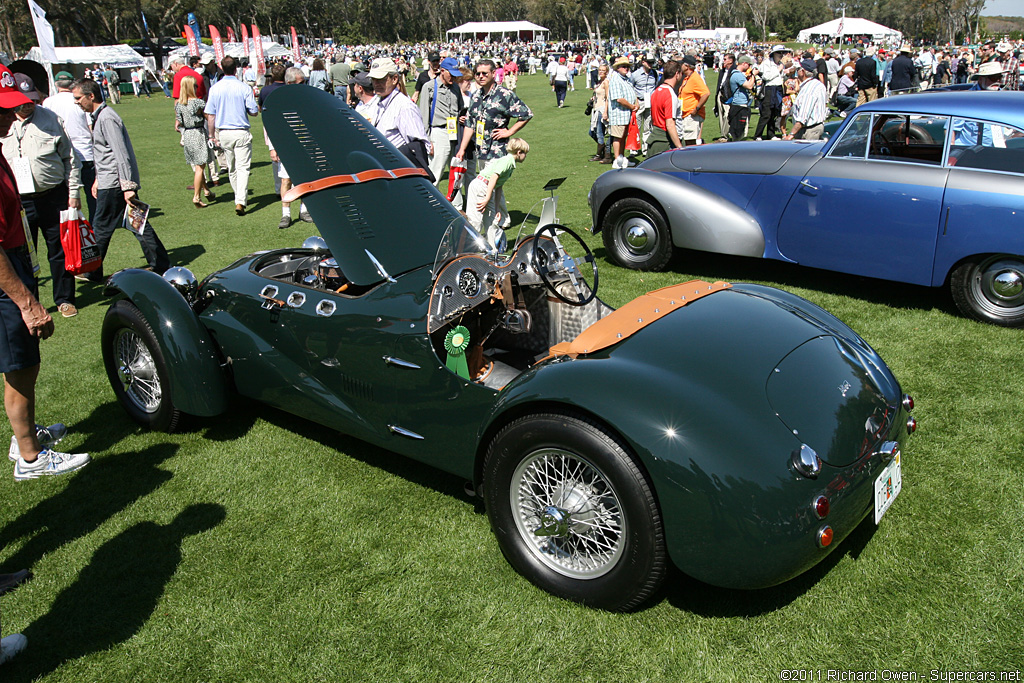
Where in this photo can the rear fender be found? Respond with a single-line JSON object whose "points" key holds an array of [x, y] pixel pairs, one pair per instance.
{"points": [[198, 384], [699, 219]]}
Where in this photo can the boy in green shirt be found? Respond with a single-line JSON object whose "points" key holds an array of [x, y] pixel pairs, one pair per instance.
{"points": [[486, 210]]}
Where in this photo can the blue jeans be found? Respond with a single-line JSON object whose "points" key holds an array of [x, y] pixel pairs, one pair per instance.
{"points": [[341, 92]]}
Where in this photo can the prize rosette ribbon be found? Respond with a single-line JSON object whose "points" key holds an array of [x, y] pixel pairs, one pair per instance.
{"points": [[455, 343]]}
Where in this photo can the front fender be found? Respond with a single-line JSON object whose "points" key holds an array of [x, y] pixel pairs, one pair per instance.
{"points": [[699, 219], [198, 385]]}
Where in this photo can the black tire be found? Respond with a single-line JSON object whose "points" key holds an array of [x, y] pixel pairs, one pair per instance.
{"points": [[990, 289], [136, 368], [603, 543], [636, 235]]}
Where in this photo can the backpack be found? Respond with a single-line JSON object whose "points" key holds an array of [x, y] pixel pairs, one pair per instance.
{"points": [[116, 78], [727, 86]]}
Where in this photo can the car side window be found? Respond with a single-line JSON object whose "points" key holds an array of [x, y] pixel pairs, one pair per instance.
{"points": [[853, 143], [909, 138], [986, 146]]}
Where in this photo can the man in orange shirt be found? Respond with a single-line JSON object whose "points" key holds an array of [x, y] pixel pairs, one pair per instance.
{"points": [[663, 112], [693, 95]]}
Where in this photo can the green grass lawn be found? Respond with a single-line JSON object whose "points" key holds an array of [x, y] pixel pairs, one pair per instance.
{"points": [[260, 547]]}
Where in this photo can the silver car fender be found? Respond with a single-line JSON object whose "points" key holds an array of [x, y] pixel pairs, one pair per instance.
{"points": [[698, 219]]}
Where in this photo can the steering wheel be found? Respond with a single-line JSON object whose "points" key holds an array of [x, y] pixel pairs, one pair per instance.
{"points": [[565, 264]]}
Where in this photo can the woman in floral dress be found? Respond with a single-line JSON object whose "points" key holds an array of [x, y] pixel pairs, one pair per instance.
{"points": [[189, 119]]}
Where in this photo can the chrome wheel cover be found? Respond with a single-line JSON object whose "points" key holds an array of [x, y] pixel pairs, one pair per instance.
{"points": [[638, 235], [567, 513], [998, 285], [136, 370]]}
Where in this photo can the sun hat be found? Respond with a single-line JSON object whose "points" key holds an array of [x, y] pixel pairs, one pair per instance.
{"points": [[989, 69], [10, 95], [382, 66], [451, 66], [27, 87], [779, 48], [905, 47], [621, 62]]}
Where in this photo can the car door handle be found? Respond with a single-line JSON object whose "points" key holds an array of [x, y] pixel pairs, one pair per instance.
{"points": [[808, 185]]}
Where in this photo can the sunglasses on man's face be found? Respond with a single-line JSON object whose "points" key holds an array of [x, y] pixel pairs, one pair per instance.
{"points": [[482, 73]]}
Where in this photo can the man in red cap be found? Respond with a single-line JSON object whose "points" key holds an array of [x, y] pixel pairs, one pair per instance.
{"points": [[23, 322]]}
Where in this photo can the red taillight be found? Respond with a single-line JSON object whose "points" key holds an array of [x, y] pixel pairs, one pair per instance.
{"points": [[825, 536], [821, 507], [911, 426], [908, 402]]}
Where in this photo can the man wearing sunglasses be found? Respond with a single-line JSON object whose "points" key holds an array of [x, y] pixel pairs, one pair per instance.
{"points": [[491, 109]]}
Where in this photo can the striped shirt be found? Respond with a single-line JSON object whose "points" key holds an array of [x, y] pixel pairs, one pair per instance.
{"points": [[810, 108], [619, 87]]}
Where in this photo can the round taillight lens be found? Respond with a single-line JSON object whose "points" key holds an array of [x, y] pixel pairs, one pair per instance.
{"points": [[908, 401], [911, 426], [821, 507], [825, 536]]}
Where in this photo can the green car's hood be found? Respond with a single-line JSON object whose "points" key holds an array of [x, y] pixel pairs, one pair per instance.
{"points": [[399, 223]]}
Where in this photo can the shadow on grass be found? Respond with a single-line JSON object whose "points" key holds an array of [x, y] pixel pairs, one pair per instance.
{"points": [[712, 267], [183, 256], [114, 595], [686, 593], [97, 493]]}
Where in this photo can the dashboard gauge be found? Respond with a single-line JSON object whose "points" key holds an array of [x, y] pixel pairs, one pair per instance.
{"points": [[447, 291], [469, 282], [492, 280]]}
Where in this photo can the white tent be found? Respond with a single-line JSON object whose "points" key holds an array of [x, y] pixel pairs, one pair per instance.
{"points": [[524, 30], [851, 27], [726, 35], [731, 35], [271, 50], [117, 56]]}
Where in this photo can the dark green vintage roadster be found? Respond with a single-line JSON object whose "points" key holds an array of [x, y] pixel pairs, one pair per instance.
{"points": [[737, 431]]}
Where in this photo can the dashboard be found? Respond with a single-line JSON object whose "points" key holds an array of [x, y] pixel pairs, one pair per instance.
{"points": [[473, 279]]}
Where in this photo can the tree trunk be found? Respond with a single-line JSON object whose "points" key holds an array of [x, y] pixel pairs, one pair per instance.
{"points": [[590, 33]]}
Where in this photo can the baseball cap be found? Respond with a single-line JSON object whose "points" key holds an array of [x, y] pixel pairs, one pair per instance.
{"points": [[207, 58], [745, 59], [690, 61], [382, 66], [433, 57], [451, 66], [361, 79], [808, 65], [10, 94], [27, 87], [63, 76]]}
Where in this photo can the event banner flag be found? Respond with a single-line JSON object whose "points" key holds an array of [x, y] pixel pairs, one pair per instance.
{"points": [[245, 39], [257, 43], [44, 32], [295, 47], [218, 44], [231, 35], [193, 46]]}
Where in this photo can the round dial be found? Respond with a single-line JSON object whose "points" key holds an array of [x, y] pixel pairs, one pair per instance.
{"points": [[469, 282]]}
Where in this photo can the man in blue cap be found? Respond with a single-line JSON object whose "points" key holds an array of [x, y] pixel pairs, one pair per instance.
{"points": [[440, 102]]}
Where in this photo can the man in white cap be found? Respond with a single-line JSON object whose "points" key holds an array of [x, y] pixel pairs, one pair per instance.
{"points": [[1011, 66], [440, 102], [810, 109], [397, 118]]}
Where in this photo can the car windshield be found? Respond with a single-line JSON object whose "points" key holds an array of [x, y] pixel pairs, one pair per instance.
{"points": [[459, 238]]}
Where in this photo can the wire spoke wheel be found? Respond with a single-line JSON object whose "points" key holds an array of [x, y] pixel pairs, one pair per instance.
{"points": [[568, 513], [137, 371]]}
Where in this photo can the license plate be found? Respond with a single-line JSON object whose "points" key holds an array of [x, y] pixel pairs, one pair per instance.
{"points": [[887, 486]]}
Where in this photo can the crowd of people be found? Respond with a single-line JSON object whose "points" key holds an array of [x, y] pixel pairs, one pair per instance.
{"points": [[445, 107]]}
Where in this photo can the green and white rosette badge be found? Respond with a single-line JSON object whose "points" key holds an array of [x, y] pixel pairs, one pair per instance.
{"points": [[455, 343]]}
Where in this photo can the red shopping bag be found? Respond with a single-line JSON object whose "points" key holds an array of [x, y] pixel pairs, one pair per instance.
{"points": [[633, 134], [455, 175], [81, 253]]}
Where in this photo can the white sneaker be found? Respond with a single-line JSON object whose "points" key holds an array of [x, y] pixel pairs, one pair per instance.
{"points": [[49, 463], [48, 437], [12, 645]]}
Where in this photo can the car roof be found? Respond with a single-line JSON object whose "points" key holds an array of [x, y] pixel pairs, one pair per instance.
{"points": [[1004, 106]]}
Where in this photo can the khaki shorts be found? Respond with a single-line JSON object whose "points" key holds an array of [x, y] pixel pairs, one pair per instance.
{"points": [[689, 127], [616, 131]]}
